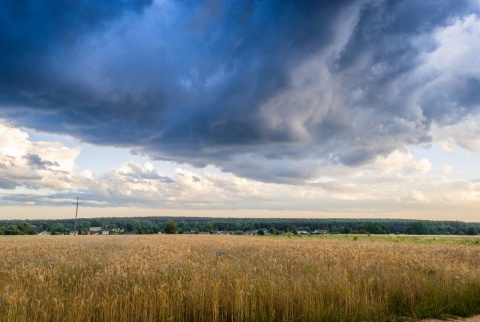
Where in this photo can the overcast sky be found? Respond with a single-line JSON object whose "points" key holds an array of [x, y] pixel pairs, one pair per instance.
{"points": [[347, 108]]}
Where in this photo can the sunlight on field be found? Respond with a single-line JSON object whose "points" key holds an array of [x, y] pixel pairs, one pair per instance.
{"points": [[235, 278]]}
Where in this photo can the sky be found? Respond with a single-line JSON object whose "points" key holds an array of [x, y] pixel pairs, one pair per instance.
{"points": [[338, 109]]}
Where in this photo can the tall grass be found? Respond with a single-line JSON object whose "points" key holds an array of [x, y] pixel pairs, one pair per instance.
{"points": [[234, 278]]}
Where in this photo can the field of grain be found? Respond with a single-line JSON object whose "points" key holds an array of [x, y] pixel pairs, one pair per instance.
{"points": [[235, 278]]}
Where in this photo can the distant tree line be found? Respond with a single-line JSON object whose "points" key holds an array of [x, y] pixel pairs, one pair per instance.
{"points": [[20, 228], [154, 225]]}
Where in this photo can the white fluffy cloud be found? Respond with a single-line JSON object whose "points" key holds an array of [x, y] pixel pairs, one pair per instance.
{"points": [[465, 134], [35, 164]]}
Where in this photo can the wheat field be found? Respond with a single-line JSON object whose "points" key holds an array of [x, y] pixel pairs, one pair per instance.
{"points": [[235, 278]]}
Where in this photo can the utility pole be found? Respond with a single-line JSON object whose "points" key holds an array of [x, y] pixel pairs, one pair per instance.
{"points": [[76, 214]]}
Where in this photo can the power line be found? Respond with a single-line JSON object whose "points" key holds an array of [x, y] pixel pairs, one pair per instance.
{"points": [[76, 215]]}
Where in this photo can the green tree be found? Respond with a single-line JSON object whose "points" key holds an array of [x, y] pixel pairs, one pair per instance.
{"points": [[58, 229], [13, 230], [418, 228], [170, 227], [26, 229], [105, 225], [129, 226], [84, 226], [472, 230], [371, 227]]}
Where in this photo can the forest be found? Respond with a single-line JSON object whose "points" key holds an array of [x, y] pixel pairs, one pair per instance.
{"points": [[183, 225]]}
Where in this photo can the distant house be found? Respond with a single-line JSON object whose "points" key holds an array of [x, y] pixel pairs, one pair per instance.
{"points": [[105, 232], [44, 233], [303, 232], [320, 231], [251, 232], [117, 231], [73, 232]]}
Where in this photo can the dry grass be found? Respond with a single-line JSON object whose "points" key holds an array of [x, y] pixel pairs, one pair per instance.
{"points": [[234, 278]]}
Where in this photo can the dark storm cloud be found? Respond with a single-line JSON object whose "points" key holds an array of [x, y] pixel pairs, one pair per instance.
{"points": [[273, 90], [29, 30]]}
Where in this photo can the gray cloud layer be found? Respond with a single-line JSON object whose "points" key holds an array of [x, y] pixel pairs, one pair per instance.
{"points": [[272, 90]]}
